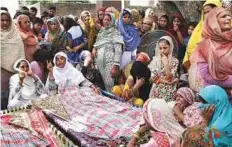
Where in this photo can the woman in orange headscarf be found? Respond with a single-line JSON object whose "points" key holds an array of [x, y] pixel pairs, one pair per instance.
{"points": [[211, 63], [29, 39]]}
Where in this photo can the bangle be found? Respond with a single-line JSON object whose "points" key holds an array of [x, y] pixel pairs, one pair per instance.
{"points": [[136, 135]]}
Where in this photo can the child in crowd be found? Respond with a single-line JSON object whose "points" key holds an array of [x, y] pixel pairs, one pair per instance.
{"points": [[37, 26], [191, 27]]}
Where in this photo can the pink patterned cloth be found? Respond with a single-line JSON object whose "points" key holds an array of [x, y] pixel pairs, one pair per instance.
{"points": [[192, 115], [158, 140], [104, 117]]}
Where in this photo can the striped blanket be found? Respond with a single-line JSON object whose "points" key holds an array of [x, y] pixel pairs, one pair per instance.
{"points": [[104, 117]]}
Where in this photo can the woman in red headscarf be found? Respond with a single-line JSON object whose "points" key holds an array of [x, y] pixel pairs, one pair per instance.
{"points": [[211, 63], [29, 39], [99, 21]]}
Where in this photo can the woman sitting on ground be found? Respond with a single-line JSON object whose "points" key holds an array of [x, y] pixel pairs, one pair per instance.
{"points": [[164, 70], [24, 86], [216, 131], [89, 69], [167, 121]]}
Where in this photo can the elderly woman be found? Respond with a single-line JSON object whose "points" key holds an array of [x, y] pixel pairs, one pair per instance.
{"points": [[24, 86], [162, 118], [130, 36], [56, 35], [164, 70], [211, 63], [12, 48], [217, 127], [108, 51], [30, 41]]}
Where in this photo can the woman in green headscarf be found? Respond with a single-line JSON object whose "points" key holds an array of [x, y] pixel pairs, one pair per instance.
{"points": [[108, 50]]}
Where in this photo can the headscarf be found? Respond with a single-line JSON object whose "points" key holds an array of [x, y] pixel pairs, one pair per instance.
{"points": [[53, 35], [100, 22], [159, 115], [12, 47], [187, 94], [135, 15], [109, 34], [130, 34], [89, 30], [221, 119], [143, 57], [114, 11], [157, 61], [196, 35], [182, 28], [32, 41], [68, 72], [29, 88], [216, 47]]}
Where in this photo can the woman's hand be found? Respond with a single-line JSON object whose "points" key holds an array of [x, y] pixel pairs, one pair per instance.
{"points": [[87, 61], [49, 66], [95, 89], [132, 142], [114, 71], [94, 53], [164, 59], [207, 113], [139, 82]]}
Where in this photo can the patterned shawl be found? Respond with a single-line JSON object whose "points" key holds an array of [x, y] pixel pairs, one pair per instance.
{"points": [[53, 35], [159, 115], [12, 47], [108, 35]]}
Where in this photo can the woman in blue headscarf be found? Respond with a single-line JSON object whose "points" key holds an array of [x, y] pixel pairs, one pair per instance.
{"points": [[130, 36], [218, 130]]}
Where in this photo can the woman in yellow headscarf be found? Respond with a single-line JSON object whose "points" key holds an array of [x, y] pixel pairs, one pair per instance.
{"points": [[196, 35]]}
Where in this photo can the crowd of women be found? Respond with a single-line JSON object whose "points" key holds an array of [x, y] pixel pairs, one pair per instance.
{"points": [[185, 89]]}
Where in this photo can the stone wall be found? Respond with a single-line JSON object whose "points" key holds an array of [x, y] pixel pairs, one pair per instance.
{"points": [[70, 8]]}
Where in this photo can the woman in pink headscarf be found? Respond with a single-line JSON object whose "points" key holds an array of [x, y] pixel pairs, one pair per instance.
{"points": [[165, 119], [29, 39], [211, 63]]}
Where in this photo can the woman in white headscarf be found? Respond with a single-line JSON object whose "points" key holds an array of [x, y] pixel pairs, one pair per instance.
{"points": [[164, 70], [12, 48], [24, 85], [65, 73]]}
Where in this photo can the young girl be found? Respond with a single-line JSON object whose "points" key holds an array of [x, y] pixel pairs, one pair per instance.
{"points": [[164, 70]]}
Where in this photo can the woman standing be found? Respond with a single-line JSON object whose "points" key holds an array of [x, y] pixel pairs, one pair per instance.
{"points": [[87, 24], [211, 62], [130, 36], [29, 39], [24, 86], [108, 51], [56, 35], [12, 48], [75, 39], [164, 70]]}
